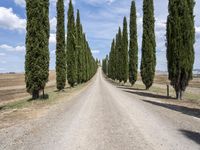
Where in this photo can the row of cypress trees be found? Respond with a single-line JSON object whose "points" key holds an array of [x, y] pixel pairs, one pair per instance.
{"points": [[123, 63], [180, 47], [117, 63], [74, 60], [81, 65]]}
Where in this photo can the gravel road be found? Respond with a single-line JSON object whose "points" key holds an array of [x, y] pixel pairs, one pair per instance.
{"points": [[105, 117]]}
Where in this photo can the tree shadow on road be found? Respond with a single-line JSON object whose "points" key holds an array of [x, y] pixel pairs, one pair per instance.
{"points": [[185, 110], [194, 136], [149, 94], [130, 88]]}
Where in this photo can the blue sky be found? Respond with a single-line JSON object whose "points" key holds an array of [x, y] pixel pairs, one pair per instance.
{"points": [[100, 19]]}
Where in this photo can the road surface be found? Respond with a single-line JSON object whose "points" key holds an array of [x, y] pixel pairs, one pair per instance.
{"points": [[106, 117]]}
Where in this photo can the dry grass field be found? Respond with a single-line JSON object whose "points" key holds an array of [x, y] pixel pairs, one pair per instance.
{"points": [[12, 86]]}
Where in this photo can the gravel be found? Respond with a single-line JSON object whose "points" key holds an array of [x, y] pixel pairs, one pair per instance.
{"points": [[104, 117]]}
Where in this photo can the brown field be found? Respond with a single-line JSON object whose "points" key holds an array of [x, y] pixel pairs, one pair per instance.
{"points": [[163, 79], [12, 86]]}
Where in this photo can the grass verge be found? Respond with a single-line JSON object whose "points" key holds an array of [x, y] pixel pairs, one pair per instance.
{"points": [[52, 96]]}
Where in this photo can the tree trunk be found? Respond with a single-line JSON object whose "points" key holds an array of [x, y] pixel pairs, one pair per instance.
{"points": [[35, 94], [43, 93], [181, 95], [177, 94]]}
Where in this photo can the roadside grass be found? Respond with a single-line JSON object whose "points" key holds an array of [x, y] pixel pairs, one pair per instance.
{"points": [[163, 90], [52, 96], [160, 88]]}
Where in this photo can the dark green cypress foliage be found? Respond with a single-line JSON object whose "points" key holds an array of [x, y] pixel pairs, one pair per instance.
{"points": [[180, 44], [37, 43], [87, 61], [119, 63], [148, 63], [60, 47], [71, 48], [133, 46], [112, 61], [79, 49], [124, 49], [84, 58], [105, 65]]}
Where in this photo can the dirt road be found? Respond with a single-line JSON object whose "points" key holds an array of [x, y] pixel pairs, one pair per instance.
{"points": [[105, 117]]}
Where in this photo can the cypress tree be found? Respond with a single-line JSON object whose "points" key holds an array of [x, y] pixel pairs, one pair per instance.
{"points": [[124, 49], [60, 47], [87, 61], [79, 49], [71, 48], [84, 58], [37, 43], [180, 44], [119, 60], [133, 46], [148, 63], [112, 61]]}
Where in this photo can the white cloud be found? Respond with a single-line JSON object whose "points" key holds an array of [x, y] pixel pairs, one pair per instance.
{"points": [[160, 25], [95, 51], [12, 49], [9, 20], [52, 38], [197, 29], [21, 3]]}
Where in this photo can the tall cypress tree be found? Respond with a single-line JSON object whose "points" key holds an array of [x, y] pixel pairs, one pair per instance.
{"points": [[71, 48], [133, 46], [124, 55], [37, 43], [180, 44], [60, 47], [148, 63], [112, 61], [84, 58], [119, 63], [79, 49]]}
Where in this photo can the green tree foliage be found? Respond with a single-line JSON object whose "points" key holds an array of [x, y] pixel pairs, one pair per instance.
{"points": [[81, 64], [133, 46], [105, 65], [119, 53], [180, 44], [112, 60], [37, 43], [84, 46], [79, 49], [61, 69], [71, 48], [124, 54], [148, 63]]}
